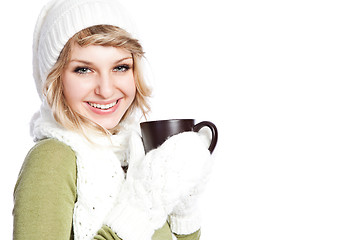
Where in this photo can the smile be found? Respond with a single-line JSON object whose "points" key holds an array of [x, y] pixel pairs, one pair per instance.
{"points": [[103, 107]]}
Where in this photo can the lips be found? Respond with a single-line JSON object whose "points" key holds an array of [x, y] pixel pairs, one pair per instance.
{"points": [[103, 106]]}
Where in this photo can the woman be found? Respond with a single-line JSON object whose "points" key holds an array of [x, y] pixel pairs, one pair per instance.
{"points": [[87, 177]]}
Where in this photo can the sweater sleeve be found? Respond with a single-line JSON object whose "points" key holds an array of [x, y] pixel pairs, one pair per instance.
{"points": [[105, 233], [193, 236], [45, 193]]}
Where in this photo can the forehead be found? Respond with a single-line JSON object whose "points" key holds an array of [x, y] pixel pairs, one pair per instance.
{"points": [[98, 53]]}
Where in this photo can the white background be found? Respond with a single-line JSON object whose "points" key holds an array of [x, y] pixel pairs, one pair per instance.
{"points": [[280, 79]]}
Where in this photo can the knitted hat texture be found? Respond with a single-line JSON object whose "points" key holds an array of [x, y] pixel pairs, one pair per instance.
{"points": [[59, 20]]}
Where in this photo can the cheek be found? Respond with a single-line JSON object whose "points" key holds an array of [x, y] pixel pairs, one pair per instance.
{"points": [[73, 91], [129, 88]]}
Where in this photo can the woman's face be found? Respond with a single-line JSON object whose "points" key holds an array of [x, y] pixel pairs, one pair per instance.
{"points": [[99, 83]]}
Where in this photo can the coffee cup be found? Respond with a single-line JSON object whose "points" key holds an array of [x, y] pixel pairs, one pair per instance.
{"points": [[155, 133]]}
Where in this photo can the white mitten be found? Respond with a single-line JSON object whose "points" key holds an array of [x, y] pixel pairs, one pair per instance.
{"points": [[155, 184], [186, 216]]}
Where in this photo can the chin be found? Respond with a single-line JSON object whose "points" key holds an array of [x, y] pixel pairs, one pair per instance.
{"points": [[110, 126], [108, 122]]}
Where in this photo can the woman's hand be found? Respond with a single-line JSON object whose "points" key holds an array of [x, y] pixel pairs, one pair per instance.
{"points": [[157, 182], [186, 216]]}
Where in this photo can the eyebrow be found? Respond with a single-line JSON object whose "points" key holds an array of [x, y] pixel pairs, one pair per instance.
{"points": [[90, 63]]}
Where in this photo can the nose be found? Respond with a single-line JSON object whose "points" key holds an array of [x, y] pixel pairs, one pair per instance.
{"points": [[105, 86]]}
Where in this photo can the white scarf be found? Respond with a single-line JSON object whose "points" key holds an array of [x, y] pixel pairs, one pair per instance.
{"points": [[99, 171]]}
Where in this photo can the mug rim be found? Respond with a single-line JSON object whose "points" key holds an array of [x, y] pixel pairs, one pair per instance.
{"points": [[167, 120]]}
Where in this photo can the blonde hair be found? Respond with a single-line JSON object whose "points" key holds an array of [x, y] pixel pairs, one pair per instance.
{"points": [[103, 35]]}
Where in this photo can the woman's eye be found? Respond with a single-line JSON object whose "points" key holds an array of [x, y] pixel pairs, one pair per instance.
{"points": [[122, 68], [82, 70]]}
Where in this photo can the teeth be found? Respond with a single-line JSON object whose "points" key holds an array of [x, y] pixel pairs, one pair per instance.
{"points": [[104, 107]]}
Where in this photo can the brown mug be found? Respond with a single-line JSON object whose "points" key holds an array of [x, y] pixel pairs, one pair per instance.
{"points": [[155, 133]]}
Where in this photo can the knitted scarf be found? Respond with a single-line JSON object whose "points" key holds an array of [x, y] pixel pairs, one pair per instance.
{"points": [[99, 169]]}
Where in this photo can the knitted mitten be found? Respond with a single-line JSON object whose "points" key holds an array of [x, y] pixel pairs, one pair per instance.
{"points": [[186, 217], [155, 184]]}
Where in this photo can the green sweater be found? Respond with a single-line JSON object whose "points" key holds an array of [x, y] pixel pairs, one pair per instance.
{"points": [[45, 195]]}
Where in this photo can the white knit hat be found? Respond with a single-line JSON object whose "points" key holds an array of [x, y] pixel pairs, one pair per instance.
{"points": [[59, 20]]}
